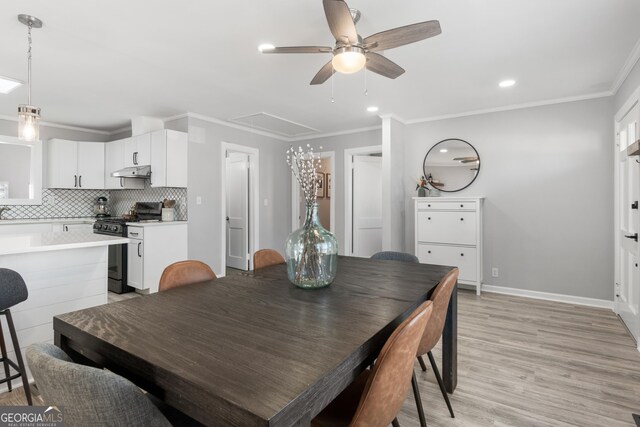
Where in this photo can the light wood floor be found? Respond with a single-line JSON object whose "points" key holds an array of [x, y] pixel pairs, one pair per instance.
{"points": [[525, 362]]}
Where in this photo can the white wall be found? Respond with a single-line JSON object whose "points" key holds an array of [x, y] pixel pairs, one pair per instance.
{"points": [[393, 189], [204, 181], [547, 175], [631, 83]]}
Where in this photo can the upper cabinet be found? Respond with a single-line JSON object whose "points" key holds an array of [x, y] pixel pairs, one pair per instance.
{"points": [[168, 158], [114, 160], [137, 150], [75, 164]]}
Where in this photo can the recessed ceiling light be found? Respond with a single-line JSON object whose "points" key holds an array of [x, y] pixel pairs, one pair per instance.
{"points": [[266, 46], [443, 150], [507, 83], [7, 84], [372, 109]]}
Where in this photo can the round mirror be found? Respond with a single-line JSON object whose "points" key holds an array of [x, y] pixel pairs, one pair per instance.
{"points": [[451, 165]]}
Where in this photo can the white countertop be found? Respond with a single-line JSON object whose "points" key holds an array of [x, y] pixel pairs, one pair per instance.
{"points": [[85, 220], [155, 223], [42, 242]]}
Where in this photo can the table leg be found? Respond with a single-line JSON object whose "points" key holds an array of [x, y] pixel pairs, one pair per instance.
{"points": [[450, 344]]}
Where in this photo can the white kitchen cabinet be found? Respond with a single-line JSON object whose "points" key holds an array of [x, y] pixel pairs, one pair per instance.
{"points": [[75, 164], [153, 247], [137, 150], [448, 231], [114, 161], [168, 158]]}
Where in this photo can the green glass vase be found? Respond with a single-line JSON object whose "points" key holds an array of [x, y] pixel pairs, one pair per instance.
{"points": [[311, 253]]}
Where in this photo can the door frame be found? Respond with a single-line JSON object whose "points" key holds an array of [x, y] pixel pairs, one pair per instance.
{"points": [[348, 192], [629, 104], [254, 199], [295, 195]]}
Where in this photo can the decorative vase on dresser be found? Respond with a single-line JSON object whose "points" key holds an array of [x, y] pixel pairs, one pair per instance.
{"points": [[448, 231]]}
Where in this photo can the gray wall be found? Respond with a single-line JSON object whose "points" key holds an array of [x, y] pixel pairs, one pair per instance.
{"points": [[338, 144], [547, 175], [10, 128], [15, 168], [204, 180]]}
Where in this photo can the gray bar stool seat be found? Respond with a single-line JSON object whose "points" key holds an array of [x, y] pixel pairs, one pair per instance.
{"points": [[13, 291]]}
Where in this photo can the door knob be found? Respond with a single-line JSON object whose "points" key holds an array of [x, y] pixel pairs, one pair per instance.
{"points": [[227, 218], [634, 205], [633, 236]]}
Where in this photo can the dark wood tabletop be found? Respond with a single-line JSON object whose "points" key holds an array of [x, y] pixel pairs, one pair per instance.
{"points": [[252, 349]]}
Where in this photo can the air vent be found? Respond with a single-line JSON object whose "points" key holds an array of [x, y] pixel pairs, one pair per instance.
{"points": [[274, 124]]}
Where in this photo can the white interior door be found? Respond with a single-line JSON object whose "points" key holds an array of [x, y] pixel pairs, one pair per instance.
{"points": [[367, 205], [237, 210], [627, 277]]}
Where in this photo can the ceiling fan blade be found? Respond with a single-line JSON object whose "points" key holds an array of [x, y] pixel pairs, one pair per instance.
{"points": [[340, 21], [383, 66], [299, 49], [325, 72], [402, 35]]}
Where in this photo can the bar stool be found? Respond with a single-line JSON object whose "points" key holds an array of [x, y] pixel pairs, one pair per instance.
{"points": [[13, 291]]}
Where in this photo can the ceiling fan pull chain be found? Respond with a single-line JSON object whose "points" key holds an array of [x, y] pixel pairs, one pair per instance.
{"points": [[366, 92], [332, 100]]}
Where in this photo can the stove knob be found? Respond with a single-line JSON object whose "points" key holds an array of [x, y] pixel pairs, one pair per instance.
{"points": [[98, 226], [114, 228]]}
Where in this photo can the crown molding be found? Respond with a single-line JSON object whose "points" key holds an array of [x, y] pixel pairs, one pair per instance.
{"points": [[61, 126], [595, 95], [228, 124], [631, 61], [338, 133]]}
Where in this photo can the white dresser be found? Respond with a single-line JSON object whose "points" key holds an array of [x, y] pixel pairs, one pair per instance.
{"points": [[449, 232]]}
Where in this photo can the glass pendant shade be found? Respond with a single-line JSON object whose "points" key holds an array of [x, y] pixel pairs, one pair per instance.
{"points": [[28, 126], [348, 60]]}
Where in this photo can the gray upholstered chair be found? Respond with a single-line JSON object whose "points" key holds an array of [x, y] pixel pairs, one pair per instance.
{"points": [[395, 256], [90, 396], [13, 291]]}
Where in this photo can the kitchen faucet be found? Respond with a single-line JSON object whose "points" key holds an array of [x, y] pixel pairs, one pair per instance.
{"points": [[3, 210]]}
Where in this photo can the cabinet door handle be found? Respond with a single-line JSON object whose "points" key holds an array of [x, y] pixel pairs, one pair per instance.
{"points": [[139, 244], [133, 234], [121, 184], [75, 181], [429, 218], [461, 219], [632, 236], [135, 157], [428, 252], [462, 206], [461, 254], [80, 181], [428, 206], [66, 228]]}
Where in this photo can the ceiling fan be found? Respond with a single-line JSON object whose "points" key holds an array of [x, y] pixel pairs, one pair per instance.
{"points": [[470, 159], [351, 52]]}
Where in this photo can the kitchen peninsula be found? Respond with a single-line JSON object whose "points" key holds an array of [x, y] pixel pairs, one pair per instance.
{"points": [[63, 271]]}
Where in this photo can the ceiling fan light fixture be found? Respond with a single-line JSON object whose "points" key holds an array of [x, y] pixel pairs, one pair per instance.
{"points": [[348, 59], [265, 47], [507, 83]]}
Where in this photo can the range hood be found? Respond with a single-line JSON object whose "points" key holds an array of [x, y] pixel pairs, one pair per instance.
{"points": [[133, 172]]}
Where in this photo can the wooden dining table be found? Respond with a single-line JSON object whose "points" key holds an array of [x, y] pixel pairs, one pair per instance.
{"points": [[252, 349]]}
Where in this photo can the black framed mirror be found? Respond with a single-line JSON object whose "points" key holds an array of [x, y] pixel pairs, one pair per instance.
{"points": [[451, 165]]}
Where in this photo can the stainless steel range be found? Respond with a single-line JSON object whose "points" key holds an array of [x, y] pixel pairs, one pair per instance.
{"points": [[117, 253]]}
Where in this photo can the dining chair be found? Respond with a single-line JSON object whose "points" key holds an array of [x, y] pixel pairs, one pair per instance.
{"points": [[90, 396], [395, 256], [440, 298], [183, 273], [376, 396], [13, 290], [266, 258]]}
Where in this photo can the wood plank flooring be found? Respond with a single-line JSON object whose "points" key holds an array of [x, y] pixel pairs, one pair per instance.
{"points": [[525, 362]]}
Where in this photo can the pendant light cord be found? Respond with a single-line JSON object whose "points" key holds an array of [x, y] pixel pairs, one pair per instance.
{"points": [[29, 65]]}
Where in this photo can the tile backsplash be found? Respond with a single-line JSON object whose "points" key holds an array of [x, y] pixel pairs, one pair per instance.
{"points": [[120, 201], [59, 203]]}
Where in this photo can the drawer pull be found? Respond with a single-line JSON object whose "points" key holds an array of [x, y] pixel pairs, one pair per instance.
{"points": [[429, 218], [428, 206], [461, 254], [461, 219], [462, 206], [428, 251]]}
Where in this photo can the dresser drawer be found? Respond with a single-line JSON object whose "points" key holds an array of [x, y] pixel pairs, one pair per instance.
{"points": [[456, 228], [463, 258], [446, 206]]}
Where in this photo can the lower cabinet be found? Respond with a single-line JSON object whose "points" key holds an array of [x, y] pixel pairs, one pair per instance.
{"points": [[152, 248]]}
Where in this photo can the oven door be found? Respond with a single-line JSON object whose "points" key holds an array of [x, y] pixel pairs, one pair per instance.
{"points": [[118, 269]]}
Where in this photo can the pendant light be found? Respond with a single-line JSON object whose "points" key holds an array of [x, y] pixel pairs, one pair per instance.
{"points": [[28, 115]]}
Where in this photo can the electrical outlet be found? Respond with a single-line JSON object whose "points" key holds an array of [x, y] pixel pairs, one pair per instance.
{"points": [[494, 272]]}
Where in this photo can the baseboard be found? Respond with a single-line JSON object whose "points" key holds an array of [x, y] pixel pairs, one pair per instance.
{"points": [[591, 302]]}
